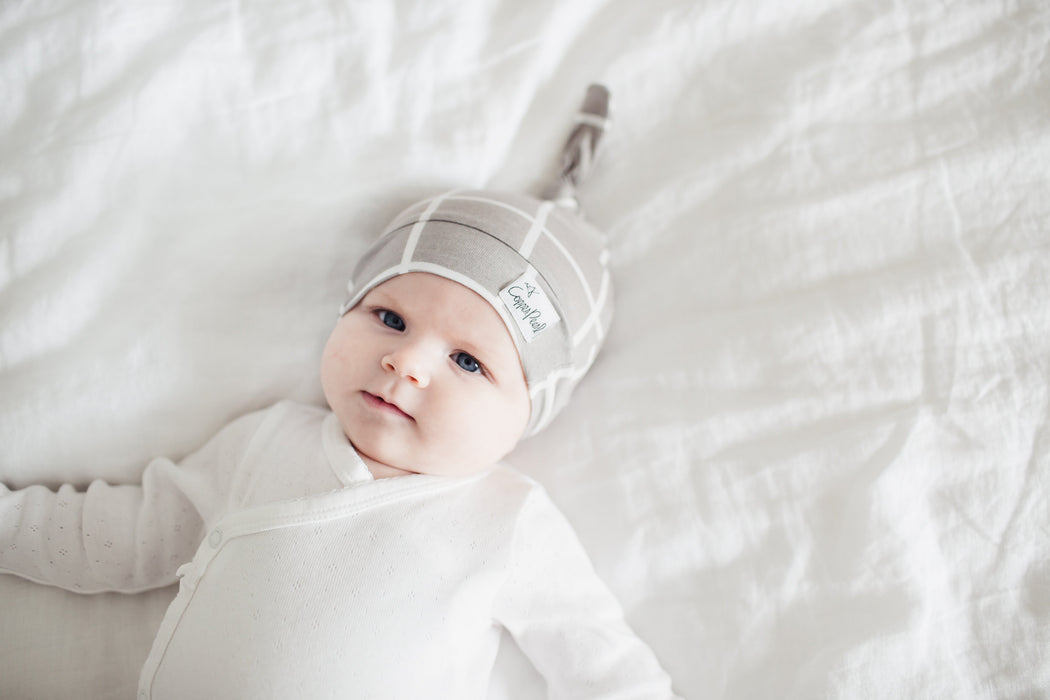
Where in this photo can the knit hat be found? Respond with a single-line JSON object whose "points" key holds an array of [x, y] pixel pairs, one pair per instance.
{"points": [[536, 261]]}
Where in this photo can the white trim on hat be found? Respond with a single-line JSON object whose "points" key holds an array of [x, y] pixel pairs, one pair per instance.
{"points": [[571, 373]]}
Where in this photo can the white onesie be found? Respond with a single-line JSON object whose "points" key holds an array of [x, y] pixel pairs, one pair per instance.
{"points": [[307, 578]]}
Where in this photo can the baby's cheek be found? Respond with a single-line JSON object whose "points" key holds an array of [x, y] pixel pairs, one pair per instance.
{"points": [[340, 349], [456, 430], [331, 356]]}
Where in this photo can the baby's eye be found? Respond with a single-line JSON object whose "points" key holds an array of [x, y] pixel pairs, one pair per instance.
{"points": [[466, 362], [391, 320]]}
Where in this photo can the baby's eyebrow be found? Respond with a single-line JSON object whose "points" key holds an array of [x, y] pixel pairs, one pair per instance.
{"points": [[480, 352], [377, 294], [471, 349], [378, 298]]}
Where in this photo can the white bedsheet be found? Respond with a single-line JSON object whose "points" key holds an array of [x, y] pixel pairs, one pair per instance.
{"points": [[813, 459]]}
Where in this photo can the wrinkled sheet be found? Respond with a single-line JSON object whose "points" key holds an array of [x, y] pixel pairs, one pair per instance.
{"points": [[813, 458]]}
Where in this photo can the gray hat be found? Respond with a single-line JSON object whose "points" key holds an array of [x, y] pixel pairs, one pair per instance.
{"points": [[536, 261]]}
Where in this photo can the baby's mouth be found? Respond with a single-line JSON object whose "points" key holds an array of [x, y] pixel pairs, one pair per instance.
{"points": [[381, 404]]}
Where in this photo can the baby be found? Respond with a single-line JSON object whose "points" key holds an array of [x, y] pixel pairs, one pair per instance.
{"points": [[377, 549]]}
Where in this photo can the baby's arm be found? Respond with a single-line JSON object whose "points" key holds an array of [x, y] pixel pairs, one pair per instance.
{"points": [[120, 538], [566, 620]]}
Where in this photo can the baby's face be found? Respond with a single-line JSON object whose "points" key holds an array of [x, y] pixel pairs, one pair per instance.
{"points": [[424, 377]]}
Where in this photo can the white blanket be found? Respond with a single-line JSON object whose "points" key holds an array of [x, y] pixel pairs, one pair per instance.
{"points": [[813, 460]]}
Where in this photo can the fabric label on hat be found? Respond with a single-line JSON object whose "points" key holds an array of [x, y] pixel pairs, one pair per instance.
{"points": [[529, 305]]}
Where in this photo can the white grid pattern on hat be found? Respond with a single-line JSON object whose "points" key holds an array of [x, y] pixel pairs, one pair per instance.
{"points": [[539, 224], [542, 395], [595, 313]]}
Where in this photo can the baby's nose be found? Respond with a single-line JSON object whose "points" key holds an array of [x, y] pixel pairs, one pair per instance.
{"points": [[409, 363]]}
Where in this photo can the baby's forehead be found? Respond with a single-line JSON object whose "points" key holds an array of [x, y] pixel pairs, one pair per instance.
{"points": [[428, 289]]}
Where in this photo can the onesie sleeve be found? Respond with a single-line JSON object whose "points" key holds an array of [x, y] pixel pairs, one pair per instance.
{"points": [[566, 620], [124, 538]]}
